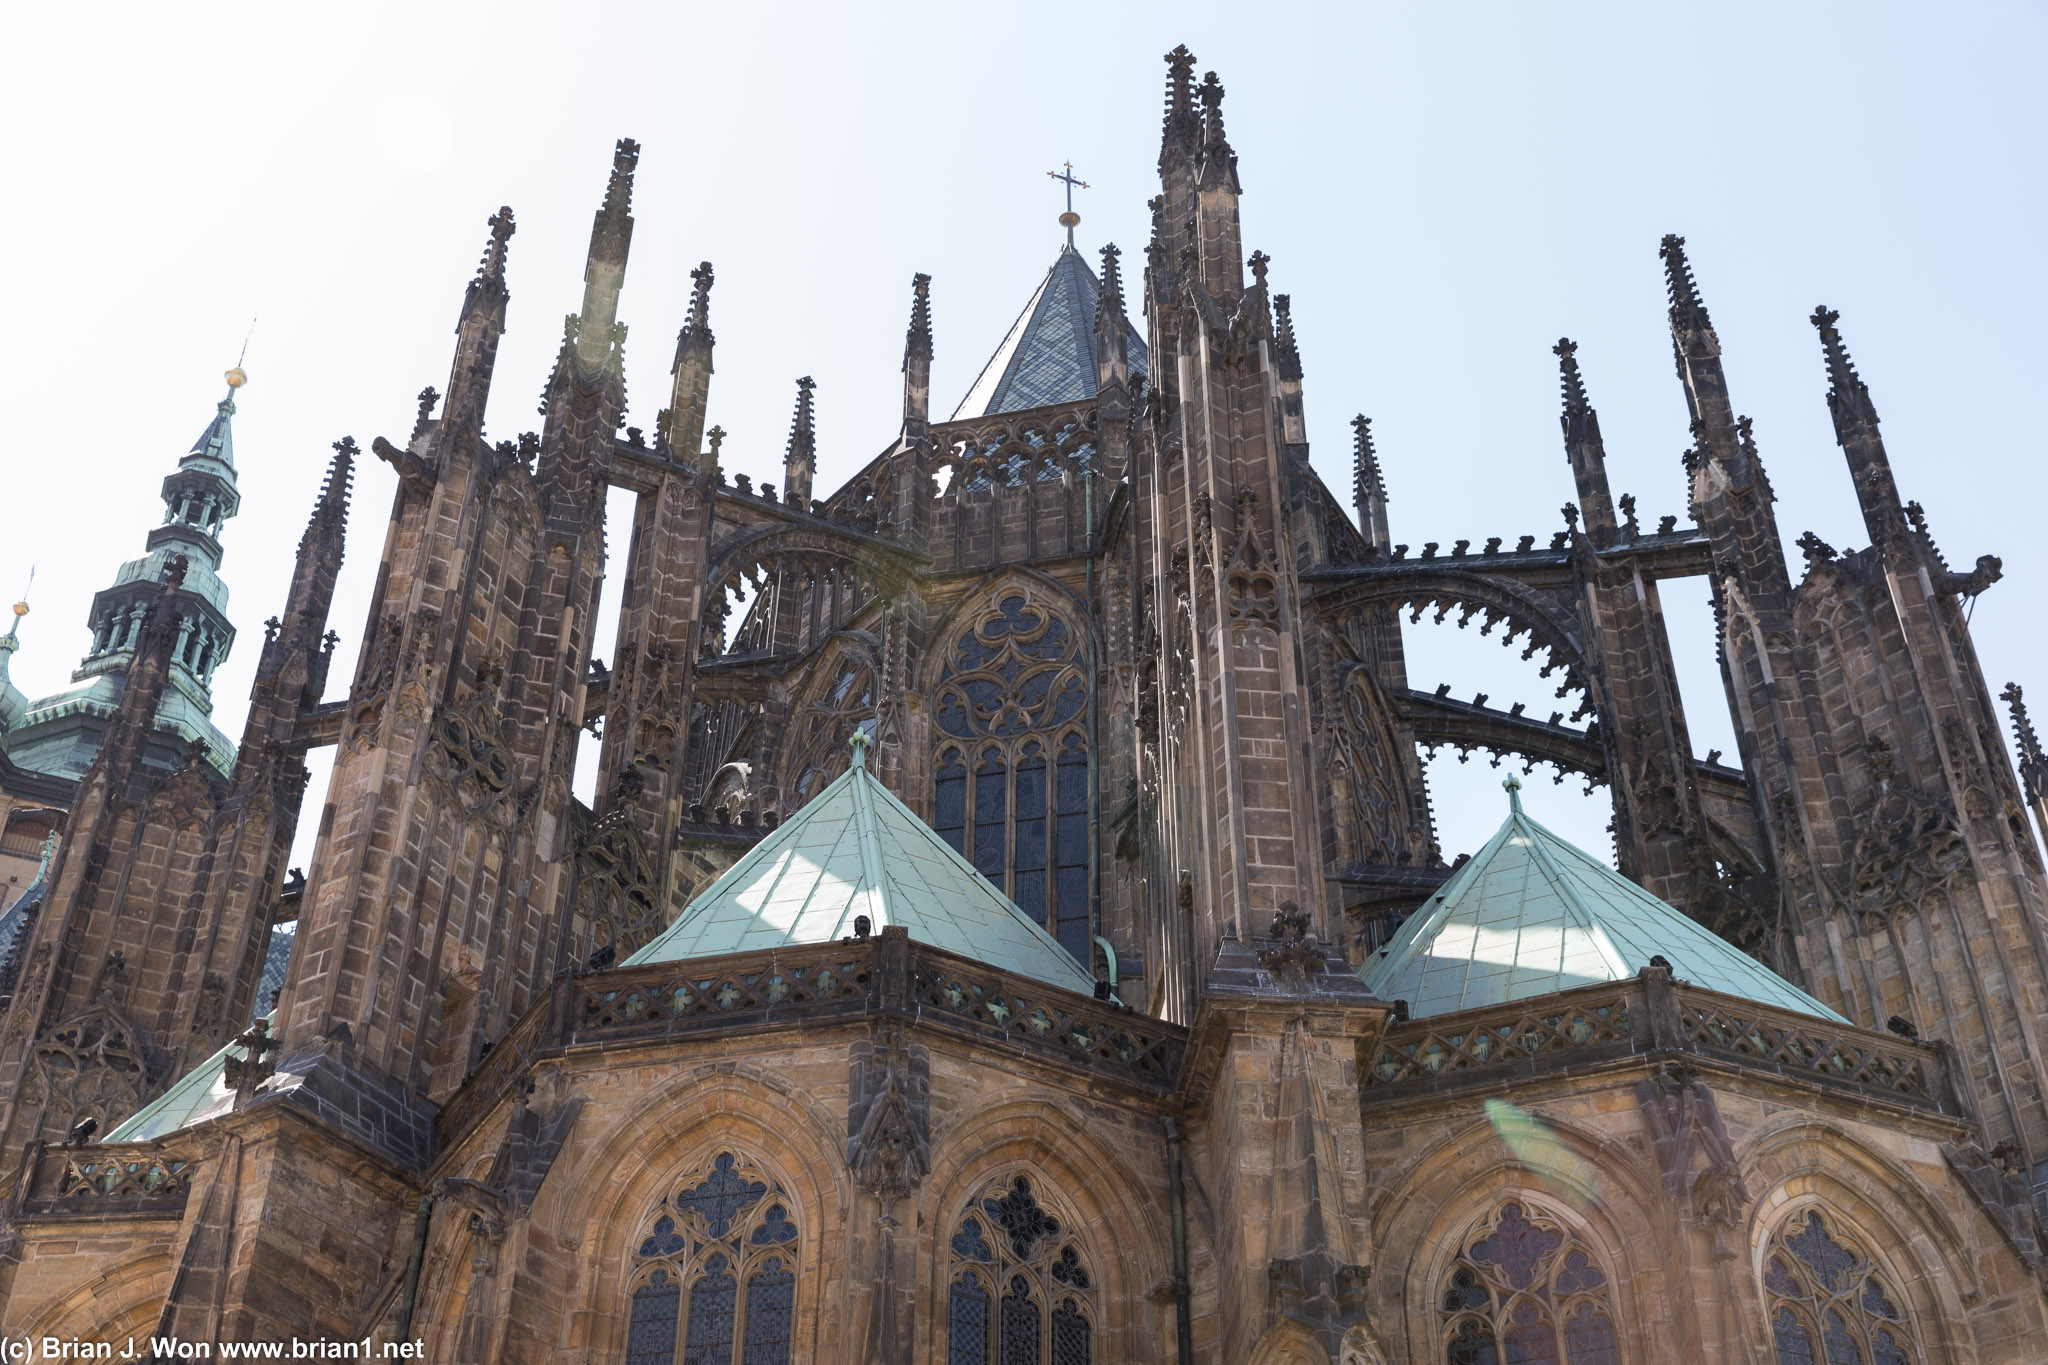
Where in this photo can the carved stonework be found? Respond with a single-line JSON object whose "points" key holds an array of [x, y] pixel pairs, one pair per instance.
{"points": [[888, 1141], [93, 1065], [1907, 847], [1694, 1155], [615, 872], [471, 758]]}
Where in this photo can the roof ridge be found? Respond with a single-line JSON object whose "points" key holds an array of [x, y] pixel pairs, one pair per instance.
{"points": [[1569, 893]]}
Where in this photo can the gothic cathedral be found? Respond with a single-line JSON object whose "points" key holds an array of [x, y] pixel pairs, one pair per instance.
{"points": [[1010, 928]]}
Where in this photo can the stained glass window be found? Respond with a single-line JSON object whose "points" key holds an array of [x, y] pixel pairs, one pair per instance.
{"points": [[1828, 1304], [1008, 1239], [1011, 781], [725, 1235], [1526, 1292]]}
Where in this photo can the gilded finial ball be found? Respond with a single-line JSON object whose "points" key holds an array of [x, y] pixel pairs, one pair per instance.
{"points": [[21, 608], [1070, 219], [237, 377]]}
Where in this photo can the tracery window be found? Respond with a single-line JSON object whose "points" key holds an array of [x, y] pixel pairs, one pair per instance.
{"points": [[1827, 1305], [1010, 784], [844, 703], [1526, 1291], [714, 1278], [1020, 1292]]}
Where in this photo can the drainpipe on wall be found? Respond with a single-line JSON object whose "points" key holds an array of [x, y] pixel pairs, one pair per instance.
{"points": [[1182, 1314]]}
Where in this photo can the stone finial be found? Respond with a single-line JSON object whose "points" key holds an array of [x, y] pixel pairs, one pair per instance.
{"points": [[920, 332], [1688, 312], [1366, 483], [1289, 352]]}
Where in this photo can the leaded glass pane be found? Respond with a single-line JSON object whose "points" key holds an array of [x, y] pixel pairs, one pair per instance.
{"points": [[651, 1331], [1022, 1325], [1465, 1293], [1794, 1344], [1517, 1246], [1885, 1349], [771, 1303], [949, 804], [991, 798], [967, 1322], [723, 1196], [1589, 1338], [709, 1340], [1830, 1259], [1070, 1338], [1069, 1271], [775, 1227], [1017, 1213], [1841, 1347], [664, 1240], [969, 1242], [1530, 1339], [1472, 1345], [1029, 861]]}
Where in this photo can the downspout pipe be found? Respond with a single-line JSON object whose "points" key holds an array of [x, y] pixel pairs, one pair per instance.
{"points": [[1183, 1317], [422, 1219]]}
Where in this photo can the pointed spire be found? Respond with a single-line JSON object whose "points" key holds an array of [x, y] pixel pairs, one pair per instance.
{"points": [[2033, 762], [1183, 126], [1212, 113], [1688, 313], [917, 359], [487, 293], [1284, 344], [598, 335], [1583, 446], [1112, 295], [1856, 431], [1368, 489], [682, 428], [800, 460]]}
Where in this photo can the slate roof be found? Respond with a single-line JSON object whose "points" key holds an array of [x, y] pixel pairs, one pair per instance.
{"points": [[1049, 354], [852, 850], [1533, 914]]}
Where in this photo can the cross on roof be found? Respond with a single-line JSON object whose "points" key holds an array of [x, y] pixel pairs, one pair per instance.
{"points": [[1069, 219]]}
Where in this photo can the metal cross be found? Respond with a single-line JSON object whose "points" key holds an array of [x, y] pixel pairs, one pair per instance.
{"points": [[1069, 219]]}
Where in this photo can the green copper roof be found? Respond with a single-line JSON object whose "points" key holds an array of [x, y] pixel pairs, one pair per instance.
{"points": [[1533, 914], [201, 1093], [854, 849]]}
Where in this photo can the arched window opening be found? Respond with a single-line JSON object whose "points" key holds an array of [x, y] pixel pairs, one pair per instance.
{"points": [[1011, 781], [1827, 1304], [1020, 1292], [1526, 1291], [725, 1234]]}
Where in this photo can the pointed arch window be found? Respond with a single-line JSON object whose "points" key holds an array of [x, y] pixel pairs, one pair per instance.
{"points": [[1020, 1292], [1011, 780], [1526, 1291], [1827, 1304], [714, 1273]]}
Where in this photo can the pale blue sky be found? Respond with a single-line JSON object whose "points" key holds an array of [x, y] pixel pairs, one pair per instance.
{"points": [[1444, 190]]}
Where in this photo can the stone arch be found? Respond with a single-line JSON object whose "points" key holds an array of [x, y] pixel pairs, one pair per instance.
{"points": [[1289, 1343], [1119, 1215], [1417, 586], [1622, 1216], [1801, 1163], [110, 1305], [598, 1207]]}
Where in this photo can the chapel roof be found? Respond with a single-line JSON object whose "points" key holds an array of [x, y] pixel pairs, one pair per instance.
{"points": [[1048, 355], [1533, 914], [852, 850]]}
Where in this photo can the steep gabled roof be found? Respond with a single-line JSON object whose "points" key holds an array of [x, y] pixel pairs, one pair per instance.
{"points": [[853, 850], [1533, 914], [1049, 354]]}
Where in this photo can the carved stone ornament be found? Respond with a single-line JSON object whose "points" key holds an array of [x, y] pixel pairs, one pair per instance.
{"points": [[95, 1064], [470, 756], [1291, 950], [1999, 1183], [1694, 1155], [888, 1143], [615, 882], [1908, 845]]}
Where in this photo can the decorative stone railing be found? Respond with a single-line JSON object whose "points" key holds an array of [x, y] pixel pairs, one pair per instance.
{"points": [[133, 1178], [811, 984], [1613, 1023]]}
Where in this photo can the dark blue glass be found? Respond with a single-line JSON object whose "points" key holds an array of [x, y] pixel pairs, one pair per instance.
{"points": [[651, 1332], [709, 1341], [967, 1322], [771, 1304], [1023, 1326]]}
